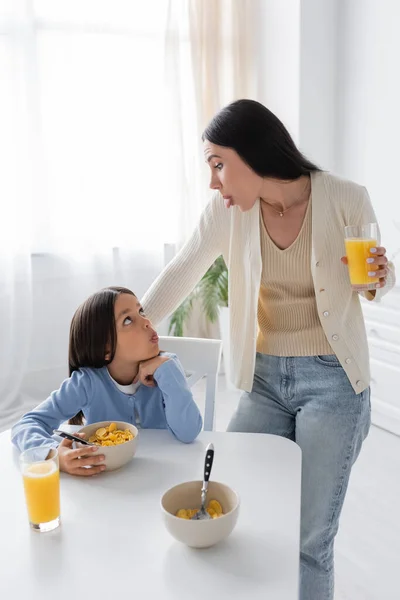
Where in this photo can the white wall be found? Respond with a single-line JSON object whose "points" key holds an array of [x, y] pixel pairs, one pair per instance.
{"points": [[298, 62], [368, 132], [279, 59], [318, 94], [369, 117]]}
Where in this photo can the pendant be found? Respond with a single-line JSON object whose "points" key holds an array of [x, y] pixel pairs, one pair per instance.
{"points": [[281, 214]]}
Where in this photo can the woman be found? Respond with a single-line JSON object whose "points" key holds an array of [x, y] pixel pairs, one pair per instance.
{"points": [[299, 347]]}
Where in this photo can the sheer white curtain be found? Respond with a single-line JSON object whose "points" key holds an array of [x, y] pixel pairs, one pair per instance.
{"points": [[210, 61], [102, 105], [87, 192], [18, 188]]}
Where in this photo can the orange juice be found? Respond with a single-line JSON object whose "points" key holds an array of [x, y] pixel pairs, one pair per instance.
{"points": [[42, 491], [357, 251]]}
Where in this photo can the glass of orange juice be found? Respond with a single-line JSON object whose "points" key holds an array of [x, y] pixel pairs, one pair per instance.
{"points": [[41, 477], [359, 240]]}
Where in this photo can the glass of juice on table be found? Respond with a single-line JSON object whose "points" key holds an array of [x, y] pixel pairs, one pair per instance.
{"points": [[41, 477], [359, 240]]}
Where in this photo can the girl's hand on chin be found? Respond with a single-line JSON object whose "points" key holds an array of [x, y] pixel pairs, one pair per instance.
{"points": [[147, 368]]}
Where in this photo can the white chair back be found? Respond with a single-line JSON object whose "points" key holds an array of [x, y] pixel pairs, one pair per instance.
{"points": [[199, 358]]}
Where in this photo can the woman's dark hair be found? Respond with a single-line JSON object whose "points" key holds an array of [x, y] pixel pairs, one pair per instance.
{"points": [[93, 334], [260, 139]]}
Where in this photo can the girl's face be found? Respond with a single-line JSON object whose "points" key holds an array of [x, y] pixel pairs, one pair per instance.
{"points": [[238, 184], [136, 339]]}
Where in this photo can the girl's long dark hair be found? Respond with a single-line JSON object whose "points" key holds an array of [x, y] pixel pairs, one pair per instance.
{"points": [[93, 334], [260, 139]]}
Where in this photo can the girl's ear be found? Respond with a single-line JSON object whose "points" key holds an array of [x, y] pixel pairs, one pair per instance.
{"points": [[107, 355]]}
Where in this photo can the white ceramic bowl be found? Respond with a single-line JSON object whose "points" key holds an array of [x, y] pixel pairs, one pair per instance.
{"points": [[200, 534], [115, 456]]}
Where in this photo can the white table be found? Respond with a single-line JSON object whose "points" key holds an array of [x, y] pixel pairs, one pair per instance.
{"points": [[112, 533]]}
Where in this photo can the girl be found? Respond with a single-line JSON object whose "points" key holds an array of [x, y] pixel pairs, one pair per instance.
{"points": [[117, 373]]}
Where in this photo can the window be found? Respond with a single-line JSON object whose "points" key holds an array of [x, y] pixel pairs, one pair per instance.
{"points": [[94, 77]]}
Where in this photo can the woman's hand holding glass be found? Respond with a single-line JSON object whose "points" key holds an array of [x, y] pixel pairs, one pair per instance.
{"points": [[378, 265]]}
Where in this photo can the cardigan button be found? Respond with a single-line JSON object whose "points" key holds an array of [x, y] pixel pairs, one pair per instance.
{"points": [[348, 361], [359, 383], [326, 314], [335, 337]]}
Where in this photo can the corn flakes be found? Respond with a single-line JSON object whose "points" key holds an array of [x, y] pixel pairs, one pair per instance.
{"points": [[215, 506], [111, 436], [214, 509]]}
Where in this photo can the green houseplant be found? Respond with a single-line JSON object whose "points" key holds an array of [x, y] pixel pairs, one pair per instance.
{"points": [[212, 292]]}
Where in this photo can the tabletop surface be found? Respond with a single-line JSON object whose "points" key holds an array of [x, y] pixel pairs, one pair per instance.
{"points": [[113, 543]]}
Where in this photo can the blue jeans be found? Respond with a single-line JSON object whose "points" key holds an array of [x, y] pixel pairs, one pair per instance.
{"points": [[310, 401]]}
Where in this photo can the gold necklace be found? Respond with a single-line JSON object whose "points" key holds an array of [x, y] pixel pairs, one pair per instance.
{"points": [[282, 212]]}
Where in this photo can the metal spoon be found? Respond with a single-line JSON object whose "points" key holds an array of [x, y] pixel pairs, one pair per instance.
{"points": [[202, 514], [73, 438]]}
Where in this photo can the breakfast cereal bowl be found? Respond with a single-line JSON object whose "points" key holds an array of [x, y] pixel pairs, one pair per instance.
{"points": [[115, 456], [200, 534]]}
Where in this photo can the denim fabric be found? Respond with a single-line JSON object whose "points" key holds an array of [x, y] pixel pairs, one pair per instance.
{"points": [[310, 401]]}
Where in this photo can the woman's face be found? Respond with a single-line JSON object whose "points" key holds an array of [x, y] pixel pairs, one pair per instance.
{"points": [[238, 184]]}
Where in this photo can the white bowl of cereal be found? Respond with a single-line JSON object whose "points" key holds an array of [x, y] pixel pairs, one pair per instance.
{"points": [[180, 502], [117, 440]]}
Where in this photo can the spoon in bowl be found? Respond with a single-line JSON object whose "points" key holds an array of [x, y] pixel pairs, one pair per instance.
{"points": [[73, 438], [202, 514]]}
